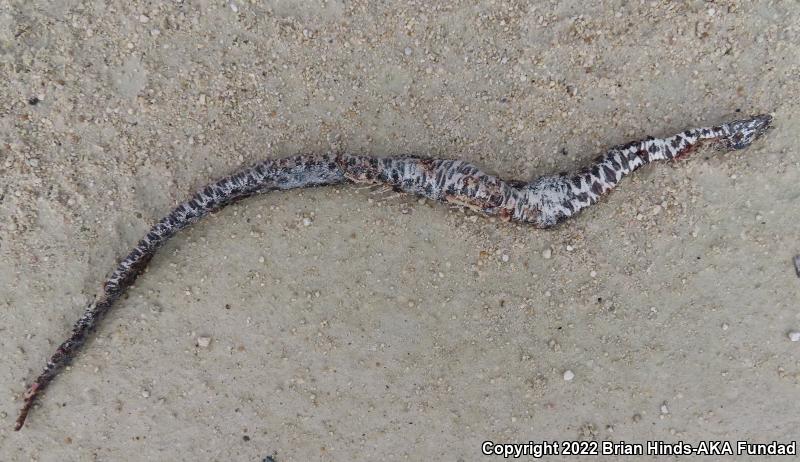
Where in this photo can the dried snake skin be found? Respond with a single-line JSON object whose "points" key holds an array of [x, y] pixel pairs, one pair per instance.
{"points": [[542, 203]]}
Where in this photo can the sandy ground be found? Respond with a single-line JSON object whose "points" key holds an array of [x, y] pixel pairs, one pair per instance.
{"points": [[348, 324]]}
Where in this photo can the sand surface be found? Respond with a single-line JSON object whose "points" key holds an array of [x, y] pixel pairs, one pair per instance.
{"points": [[350, 324]]}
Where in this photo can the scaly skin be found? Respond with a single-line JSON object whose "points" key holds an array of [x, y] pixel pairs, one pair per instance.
{"points": [[542, 203]]}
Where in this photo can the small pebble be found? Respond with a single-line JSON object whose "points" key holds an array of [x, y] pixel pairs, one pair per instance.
{"points": [[407, 51], [234, 7], [143, 19], [794, 336], [568, 375], [505, 257], [570, 248], [593, 274], [797, 265], [664, 408], [145, 393], [725, 326], [203, 341], [307, 221], [547, 253]]}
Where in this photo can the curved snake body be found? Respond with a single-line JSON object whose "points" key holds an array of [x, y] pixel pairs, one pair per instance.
{"points": [[542, 203]]}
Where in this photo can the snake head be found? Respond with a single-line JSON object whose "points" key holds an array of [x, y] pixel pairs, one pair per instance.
{"points": [[742, 133]]}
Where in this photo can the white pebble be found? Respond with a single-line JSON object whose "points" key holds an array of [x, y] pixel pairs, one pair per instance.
{"points": [[664, 408], [234, 7], [725, 326], [143, 19], [593, 274], [407, 51], [570, 248], [145, 394], [505, 257], [794, 336], [547, 253], [203, 342], [568, 375], [307, 221]]}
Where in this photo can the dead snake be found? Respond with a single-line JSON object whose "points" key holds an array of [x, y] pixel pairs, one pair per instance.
{"points": [[542, 203]]}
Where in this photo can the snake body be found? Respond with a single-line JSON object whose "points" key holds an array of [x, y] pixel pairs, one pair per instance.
{"points": [[542, 203]]}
